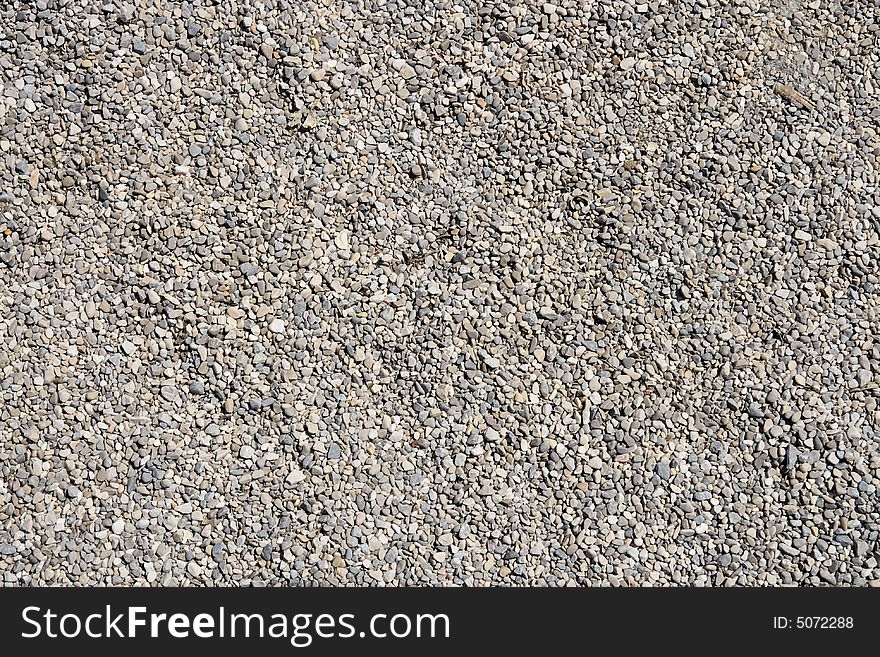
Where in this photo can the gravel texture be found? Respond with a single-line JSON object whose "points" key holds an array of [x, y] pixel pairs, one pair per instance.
{"points": [[376, 292]]}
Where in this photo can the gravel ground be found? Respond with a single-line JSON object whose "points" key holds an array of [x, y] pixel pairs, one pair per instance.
{"points": [[582, 293]]}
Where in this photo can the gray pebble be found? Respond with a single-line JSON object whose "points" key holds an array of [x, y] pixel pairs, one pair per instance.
{"points": [[576, 308]]}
